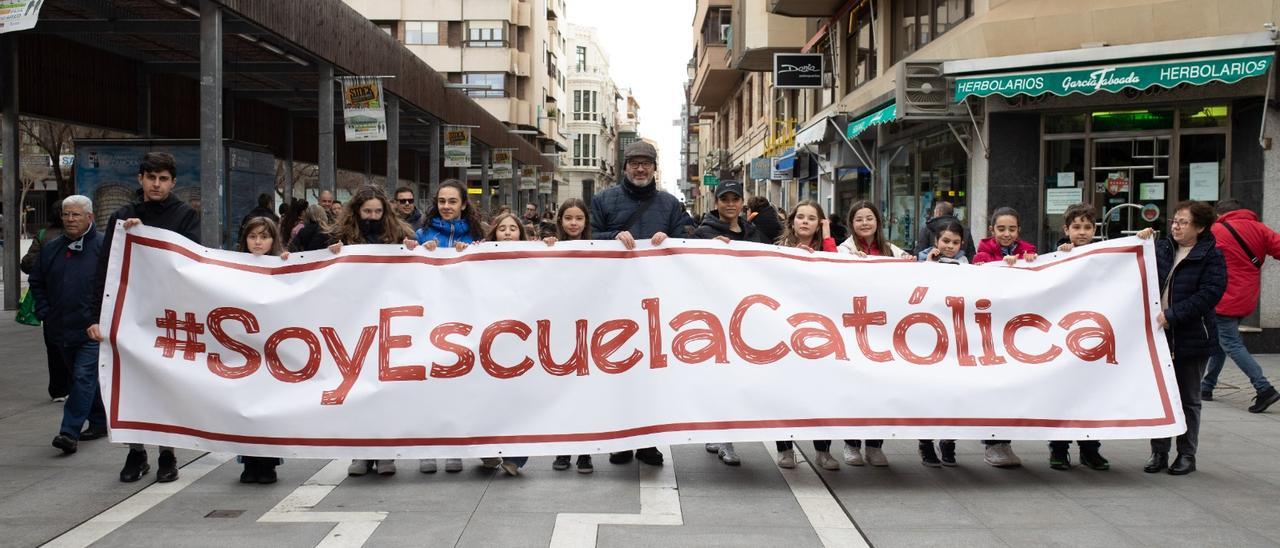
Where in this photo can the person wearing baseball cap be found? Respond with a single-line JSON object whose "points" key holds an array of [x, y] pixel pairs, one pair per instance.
{"points": [[634, 210]]}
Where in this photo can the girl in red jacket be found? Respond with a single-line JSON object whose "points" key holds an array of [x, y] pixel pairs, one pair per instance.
{"points": [[1003, 242]]}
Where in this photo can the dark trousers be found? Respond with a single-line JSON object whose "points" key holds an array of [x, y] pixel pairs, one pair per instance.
{"points": [[59, 369], [1085, 445], [870, 443], [1188, 372], [85, 400], [993, 442], [820, 445]]}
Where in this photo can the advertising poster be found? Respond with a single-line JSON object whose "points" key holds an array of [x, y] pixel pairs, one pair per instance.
{"points": [[457, 146], [501, 164], [362, 111], [529, 178]]}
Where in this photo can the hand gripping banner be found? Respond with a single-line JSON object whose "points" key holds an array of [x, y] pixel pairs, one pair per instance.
{"points": [[584, 347]]}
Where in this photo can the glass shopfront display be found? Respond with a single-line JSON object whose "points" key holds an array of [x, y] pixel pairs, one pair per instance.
{"points": [[1132, 165], [921, 173]]}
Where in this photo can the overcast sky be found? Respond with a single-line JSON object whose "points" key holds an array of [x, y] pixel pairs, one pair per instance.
{"points": [[648, 44]]}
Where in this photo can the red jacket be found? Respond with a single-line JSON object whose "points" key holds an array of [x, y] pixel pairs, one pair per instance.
{"points": [[1243, 279], [989, 250]]}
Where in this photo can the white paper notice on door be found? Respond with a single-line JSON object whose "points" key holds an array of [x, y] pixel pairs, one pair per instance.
{"points": [[1057, 200], [1204, 181], [1066, 179]]}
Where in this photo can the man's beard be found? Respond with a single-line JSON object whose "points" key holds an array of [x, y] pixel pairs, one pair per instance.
{"points": [[642, 182]]}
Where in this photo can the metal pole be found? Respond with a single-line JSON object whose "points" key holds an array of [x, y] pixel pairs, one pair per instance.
{"points": [[288, 160], [485, 155], [212, 164], [327, 163], [144, 101], [9, 141], [433, 169], [393, 144]]}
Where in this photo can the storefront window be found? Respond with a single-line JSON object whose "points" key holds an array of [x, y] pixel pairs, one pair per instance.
{"points": [[1064, 183], [1207, 116], [1065, 123], [922, 173], [1132, 120], [1202, 173]]}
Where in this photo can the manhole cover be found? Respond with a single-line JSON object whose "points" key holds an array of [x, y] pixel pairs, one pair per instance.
{"points": [[224, 514]]}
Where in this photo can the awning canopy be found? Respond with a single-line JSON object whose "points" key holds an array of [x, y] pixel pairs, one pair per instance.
{"points": [[1113, 78], [882, 115], [815, 133]]}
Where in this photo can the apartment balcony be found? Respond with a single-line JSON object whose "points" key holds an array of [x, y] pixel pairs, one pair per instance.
{"points": [[804, 8], [758, 34], [715, 80]]}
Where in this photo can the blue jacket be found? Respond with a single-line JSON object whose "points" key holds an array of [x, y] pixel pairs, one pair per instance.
{"points": [[446, 233], [1195, 287], [611, 208], [62, 283]]}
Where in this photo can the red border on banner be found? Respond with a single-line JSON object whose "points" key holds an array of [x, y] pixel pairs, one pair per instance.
{"points": [[131, 240]]}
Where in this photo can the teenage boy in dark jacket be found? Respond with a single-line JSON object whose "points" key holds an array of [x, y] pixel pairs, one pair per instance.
{"points": [[727, 222], [157, 175]]}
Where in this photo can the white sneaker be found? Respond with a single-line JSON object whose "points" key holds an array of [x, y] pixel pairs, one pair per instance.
{"points": [[875, 457], [490, 462], [509, 468], [358, 467], [452, 465], [712, 447], [826, 461], [728, 455], [386, 467], [787, 459], [1000, 455], [427, 466], [853, 456]]}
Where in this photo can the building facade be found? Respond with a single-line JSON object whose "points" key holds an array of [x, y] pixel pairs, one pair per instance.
{"points": [[593, 117], [1131, 107]]}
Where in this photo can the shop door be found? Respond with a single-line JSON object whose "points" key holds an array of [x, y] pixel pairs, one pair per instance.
{"points": [[1130, 184]]}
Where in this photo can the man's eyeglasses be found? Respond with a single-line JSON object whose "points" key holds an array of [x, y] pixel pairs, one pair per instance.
{"points": [[405, 202], [641, 163]]}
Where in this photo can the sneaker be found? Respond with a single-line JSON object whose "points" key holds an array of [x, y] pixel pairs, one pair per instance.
{"points": [[1000, 455], [135, 466], [853, 456], [490, 463], [713, 448], [649, 455], [509, 468], [65, 443], [386, 467], [621, 457], [875, 457], [826, 461], [948, 448], [728, 455], [358, 467], [1206, 395], [561, 463], [928, 456], [1059, 459], [93, 432], [1264, 399], [1094, 460], [584, 464], [452, 465], [166, 467], [427, 466], [787, 459]]}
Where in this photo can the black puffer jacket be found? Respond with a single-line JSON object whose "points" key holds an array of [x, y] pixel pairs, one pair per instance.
{"points": [[767, 223], [929, 232], [169, 214], [611, 208], [712, 226], [1195, 287]]}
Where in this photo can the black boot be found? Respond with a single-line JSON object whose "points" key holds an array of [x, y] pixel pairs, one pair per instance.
{"points": [[267, 470], [1059, 458], [948, 448], [1263, 400], [1158, 461], [65, 443], [650, 456], [1093, 459], [621, 457], [928, 456], [1183, 465], [135, 466], [168, 467]]}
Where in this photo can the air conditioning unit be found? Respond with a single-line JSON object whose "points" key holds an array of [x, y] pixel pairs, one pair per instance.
{"points": [[924, 93]]}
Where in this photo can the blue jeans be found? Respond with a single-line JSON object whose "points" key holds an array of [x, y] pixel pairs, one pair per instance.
{"points": [[1230, 344], [85, 401]]}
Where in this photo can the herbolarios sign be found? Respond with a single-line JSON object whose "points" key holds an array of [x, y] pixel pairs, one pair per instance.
{"points": [[523, 349], [797, 70]]}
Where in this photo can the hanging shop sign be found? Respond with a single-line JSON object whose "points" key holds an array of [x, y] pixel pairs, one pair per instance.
{"points": [[1089, 80], [710, 180], [16, 15], [760, 169], [544, 183], [529, 178], [783, 167], [502, 163], [362, 109], [457, 146], [797, 70]]}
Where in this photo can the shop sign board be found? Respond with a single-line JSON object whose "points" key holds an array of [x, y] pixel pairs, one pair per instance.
{"points": [[797, 70]]}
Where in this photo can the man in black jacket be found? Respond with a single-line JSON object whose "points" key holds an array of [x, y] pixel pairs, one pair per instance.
{"points": [[636, 209], [407, 206], [160, 209], [943, 212]]}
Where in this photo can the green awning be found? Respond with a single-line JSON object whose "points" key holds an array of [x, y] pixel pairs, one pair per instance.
{"points": [[882, 116], [1113, 78]]}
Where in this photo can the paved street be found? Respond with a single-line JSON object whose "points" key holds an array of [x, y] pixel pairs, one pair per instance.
{"points": [[1228, 502]]}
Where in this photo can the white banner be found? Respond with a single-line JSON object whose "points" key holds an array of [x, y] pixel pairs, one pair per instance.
{"points": [[523, 349], [363, 115]]}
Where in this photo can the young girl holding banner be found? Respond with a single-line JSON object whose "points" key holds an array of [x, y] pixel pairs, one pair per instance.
{"points": [[571, 224], [260, 236]]}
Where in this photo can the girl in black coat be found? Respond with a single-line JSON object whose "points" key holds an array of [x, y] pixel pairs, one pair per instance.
{"points": [[1193, 276]]}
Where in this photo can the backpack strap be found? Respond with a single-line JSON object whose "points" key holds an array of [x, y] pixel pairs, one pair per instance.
{"points": [[1253, 259]]}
